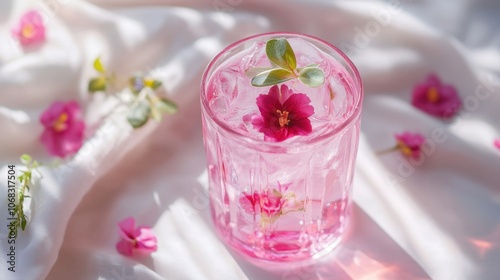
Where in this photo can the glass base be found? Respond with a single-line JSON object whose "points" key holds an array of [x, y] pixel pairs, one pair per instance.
{"points": [[282, 255]]}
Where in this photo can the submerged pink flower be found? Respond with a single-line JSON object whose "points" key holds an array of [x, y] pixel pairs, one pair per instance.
{"points": [[497, 143], [283, 114], [269, 203], [30, 29], [410, 144], [435, 98], [140, 239], [63, 134]]}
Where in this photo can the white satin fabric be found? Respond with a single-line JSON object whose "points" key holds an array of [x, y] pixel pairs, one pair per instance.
{"points": [[437, 220]]}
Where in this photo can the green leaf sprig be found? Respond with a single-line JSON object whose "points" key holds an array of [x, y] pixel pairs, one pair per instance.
{"points": [[146, 102], [25, 179], [99, 83], [282, 58]]}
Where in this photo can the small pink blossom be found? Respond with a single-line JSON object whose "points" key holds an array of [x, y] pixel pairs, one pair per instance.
{"points": [[30, 29], [435, 98], [283, 114], [497, 143], [410, 144], [63, 134], [141, 239], [269, 203]]}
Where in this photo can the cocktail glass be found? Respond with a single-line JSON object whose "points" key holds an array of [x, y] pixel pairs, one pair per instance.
{"points": [[280, 177]]}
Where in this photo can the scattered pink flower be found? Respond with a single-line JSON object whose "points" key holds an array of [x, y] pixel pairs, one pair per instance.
{"points": [[140, 239], [410, 144], [30, 29], [283, 114], [497, 143], [63, 134], [435, 98]]}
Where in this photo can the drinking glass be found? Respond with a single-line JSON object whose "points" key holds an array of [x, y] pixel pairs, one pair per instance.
{"points": [[286, 198]]}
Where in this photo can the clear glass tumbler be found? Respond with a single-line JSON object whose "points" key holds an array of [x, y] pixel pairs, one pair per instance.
{"points": [[281, 147]]}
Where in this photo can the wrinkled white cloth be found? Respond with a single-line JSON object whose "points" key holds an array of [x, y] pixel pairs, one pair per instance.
{"points": [[438, 220]]}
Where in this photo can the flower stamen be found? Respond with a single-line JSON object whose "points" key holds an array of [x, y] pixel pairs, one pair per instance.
{"points": [[407, 151], [60, 123], [283, 118], [28, 31], [149, 82], [432, 95]]}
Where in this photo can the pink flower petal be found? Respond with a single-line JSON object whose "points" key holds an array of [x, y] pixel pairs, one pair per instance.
{"points": [[72, 140], [300, 127], [52, 113], [285, 93], [267, 105], [127, 227], [249, 203], [274, 93], [497, 143], [299, 106], [125, 247], [146, 240], [73, 108]]}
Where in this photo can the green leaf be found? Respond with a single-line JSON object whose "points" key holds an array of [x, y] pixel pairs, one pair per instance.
{"points": [[155, 114], [23, 222], [272, 77], [166, 106], [156, 84], [97, 84], [310, 65], [280, 53], [98, 65], [26, 159], [254, 71], [312, 76], [139, 114]]}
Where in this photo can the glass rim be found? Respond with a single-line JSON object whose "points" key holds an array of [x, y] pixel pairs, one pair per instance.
{"points": [[349, 120]]}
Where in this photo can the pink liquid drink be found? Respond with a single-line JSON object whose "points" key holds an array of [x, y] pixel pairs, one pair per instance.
{"points": [[281, 157]]}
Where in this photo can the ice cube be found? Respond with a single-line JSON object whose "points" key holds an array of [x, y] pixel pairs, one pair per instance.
{"points": [[220, 106], [227, 83]]}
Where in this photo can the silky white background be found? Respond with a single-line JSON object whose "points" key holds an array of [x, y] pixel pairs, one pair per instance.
{"points": [[438, 220]]}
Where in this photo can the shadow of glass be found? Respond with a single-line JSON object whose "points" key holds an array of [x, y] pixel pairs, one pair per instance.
{"points": [[367, 252]]}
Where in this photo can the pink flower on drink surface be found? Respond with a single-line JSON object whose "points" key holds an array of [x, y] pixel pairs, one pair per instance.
{"points": [[63, 134], [283, 114], [141, 239], [497, 143], [30, 29], [435, 98], [410, 144]]}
